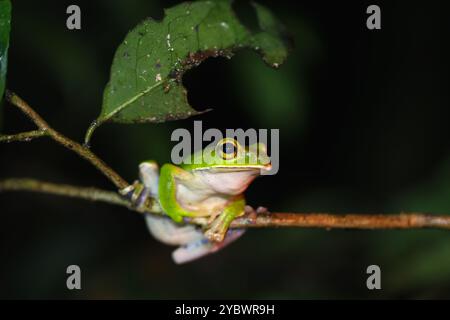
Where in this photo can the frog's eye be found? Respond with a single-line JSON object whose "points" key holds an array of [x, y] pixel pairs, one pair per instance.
{"points": [[227, 149]]}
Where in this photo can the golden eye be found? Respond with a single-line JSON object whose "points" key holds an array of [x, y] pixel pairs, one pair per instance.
{"points": [[227, 149]]}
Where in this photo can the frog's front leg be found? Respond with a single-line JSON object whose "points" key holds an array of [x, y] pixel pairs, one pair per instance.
{"points": [[168, 192], [219, 227]]}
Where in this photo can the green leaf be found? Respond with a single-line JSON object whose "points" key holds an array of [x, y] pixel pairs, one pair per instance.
{"points": [[146, 75], [5, 26]]}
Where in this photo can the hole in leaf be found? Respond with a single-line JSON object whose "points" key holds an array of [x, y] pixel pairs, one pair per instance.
{"points": [[209, 85]]}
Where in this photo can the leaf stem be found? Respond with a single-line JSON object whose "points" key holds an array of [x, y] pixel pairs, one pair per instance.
{"points": [[118, 109], [82, 151]]}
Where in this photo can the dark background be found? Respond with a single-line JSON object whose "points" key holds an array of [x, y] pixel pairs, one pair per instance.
{"points": [[363, 117]]}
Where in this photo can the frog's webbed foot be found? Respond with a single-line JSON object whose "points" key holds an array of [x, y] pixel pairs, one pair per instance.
{"points": [[137, 194], [141, 192]]}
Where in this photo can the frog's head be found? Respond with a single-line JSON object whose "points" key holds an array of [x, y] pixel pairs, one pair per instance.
{"points": [[228, 155], [228, 167]]}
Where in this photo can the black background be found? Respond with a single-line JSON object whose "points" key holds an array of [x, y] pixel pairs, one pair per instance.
{"points": [[363, 117]]}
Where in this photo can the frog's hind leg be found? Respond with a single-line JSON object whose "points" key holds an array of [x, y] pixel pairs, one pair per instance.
{"points": [[202, 247], [149, 175], [193, 244], [171, 233]]}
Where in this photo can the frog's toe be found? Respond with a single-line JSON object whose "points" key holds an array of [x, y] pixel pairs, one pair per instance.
{"points": [[261, 210], [248, 209], [215, 235]]}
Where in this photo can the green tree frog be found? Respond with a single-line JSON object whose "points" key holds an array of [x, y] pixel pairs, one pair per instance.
{"points": [[209, 185]]}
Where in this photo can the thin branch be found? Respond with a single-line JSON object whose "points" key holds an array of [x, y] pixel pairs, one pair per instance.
{"points": [[413, 220], [86, 193], [23, 136], [82, 151]]}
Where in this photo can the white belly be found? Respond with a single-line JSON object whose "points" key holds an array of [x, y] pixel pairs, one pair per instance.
{"points": [[209, 192]]}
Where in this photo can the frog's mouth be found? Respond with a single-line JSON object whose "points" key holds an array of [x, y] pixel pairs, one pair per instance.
{"points": [[239, 168]]}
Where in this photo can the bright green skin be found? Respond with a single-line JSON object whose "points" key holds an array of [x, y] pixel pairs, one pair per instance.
{"points": [[211, 188]]}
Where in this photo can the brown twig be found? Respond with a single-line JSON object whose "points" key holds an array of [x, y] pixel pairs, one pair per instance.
{"points": [[23, 136], [413, 220], [86, 193], [46, 130]]}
